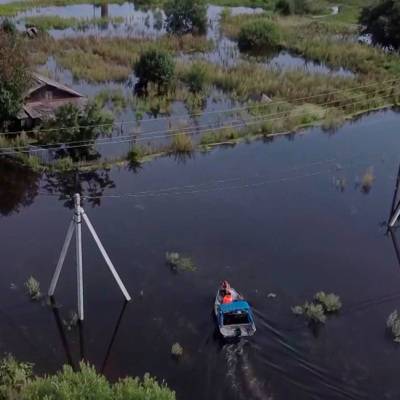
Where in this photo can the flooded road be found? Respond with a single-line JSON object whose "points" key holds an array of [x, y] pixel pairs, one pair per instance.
{"points": [[268, 216]]}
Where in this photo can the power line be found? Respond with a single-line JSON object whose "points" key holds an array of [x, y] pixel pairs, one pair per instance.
{"points": [[195, 189], [130, 138], [231, 110]]}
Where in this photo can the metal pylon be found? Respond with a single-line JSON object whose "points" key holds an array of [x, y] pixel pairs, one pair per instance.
{"points": [[76, 226]]}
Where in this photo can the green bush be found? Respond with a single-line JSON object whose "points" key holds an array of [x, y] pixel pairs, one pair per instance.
{"points": [[17, 382], [14, 376], [257, 35], [156, 66], [186, 16]]}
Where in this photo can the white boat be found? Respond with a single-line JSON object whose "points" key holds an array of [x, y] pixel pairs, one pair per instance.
{"points": [[235, 318]]}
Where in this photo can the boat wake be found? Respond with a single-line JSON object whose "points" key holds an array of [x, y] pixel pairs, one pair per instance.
{"points": [[241, 375]]}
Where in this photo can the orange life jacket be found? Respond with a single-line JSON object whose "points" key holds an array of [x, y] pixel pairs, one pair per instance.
{"points": [[227, 299]]}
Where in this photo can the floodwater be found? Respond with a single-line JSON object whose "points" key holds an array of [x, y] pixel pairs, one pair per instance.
{"points": [[269, 216], [150, 23]]}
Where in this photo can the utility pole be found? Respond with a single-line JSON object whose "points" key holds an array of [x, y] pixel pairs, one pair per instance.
{"points": [[76, 226]]}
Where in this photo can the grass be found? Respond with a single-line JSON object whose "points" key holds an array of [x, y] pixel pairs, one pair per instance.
{"points": [[110, 58], [181, 143], [114, 98], [33, 288], [47, 22]]}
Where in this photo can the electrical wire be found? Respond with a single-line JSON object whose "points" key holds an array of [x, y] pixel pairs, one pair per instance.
{"points": [[196, 189], [231, 110], [130, 138]]}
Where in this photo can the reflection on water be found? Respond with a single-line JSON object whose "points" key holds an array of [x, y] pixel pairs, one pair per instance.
{"points": [[87, 183], [18, 186], [66, 340]]}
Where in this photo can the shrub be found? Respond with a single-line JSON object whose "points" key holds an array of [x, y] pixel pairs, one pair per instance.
{"points": [[33, 288], [14, 376], [17, 382], [182, 144], [197, 77], [14, 75], [259, 35], [393, 323], [186, 16], [179, 263], [177, 350], [156, 66], [329, 301]]}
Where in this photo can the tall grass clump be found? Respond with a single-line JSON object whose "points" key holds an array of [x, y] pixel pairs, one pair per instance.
{"points": [[197, 77], [181, 143], [258, 35], [367, 180], [32, 286]]}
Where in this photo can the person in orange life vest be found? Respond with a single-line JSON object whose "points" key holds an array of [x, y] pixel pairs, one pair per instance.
{"points": [[227, 298]]}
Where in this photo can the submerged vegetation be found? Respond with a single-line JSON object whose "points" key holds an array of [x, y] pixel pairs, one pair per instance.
{"points": [[17, 381], [177, 262], [177, 350], [32, 287], [46, 22], [393, 323], [317, 310]]}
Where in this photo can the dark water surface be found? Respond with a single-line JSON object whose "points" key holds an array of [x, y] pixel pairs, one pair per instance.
{"points": [[269, 217]]}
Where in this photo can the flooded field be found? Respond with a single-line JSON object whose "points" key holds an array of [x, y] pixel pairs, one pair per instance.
{"points": [[288, 216]]}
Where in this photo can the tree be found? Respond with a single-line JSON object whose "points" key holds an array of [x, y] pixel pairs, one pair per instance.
{"points": [[71, 124], [382, 21], [14, 75], [156, 66], [186, 16]]}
